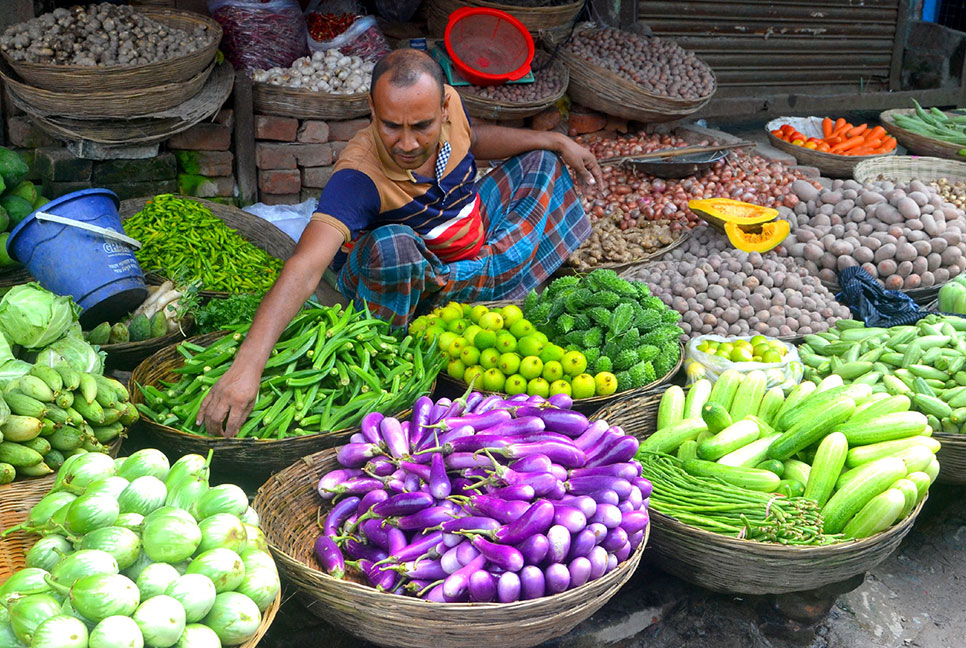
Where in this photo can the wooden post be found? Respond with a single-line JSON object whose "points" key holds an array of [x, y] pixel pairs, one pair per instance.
{"points": [[245, 140], [899, 46]]}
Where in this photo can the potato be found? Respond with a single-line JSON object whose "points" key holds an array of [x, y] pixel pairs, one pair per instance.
{"points": [[923, 248], [927, 279], [894, 282], [912, 281], [886, 267], [908, 207], [904, 269], [906, 252], [887, 251]]}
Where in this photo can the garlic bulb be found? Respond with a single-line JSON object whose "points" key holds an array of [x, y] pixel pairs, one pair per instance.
{"points": [[327, 71]]}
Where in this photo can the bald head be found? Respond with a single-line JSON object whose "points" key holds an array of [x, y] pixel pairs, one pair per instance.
{"points": [[404, 68]]}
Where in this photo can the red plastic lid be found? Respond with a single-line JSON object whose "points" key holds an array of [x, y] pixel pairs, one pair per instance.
{"points": [[488, 46]]}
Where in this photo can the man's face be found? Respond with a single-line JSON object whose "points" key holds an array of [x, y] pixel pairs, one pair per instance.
{"points": [[408, 120]]}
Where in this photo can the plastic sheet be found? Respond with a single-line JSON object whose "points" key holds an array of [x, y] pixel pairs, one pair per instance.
{"points": [[260, 35], [698, 364]]}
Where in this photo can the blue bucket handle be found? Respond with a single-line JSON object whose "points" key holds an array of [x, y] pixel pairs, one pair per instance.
{"points": [[103, 231]]}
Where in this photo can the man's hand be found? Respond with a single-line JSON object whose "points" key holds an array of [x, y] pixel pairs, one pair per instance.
{"points": [[229, 402], [581, 160]]}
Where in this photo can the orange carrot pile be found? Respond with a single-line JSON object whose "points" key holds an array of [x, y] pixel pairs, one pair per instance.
{"points": [[839, 137]]}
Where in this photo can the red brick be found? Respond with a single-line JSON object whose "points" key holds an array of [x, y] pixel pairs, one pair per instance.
{"points": [[215, 163], [280, 199], [280, 181], [547, 120], [226, 117], [274, 156], [313, 155], [583, 121], [313, 132], [279, 129], [202, 137], [25, 134], [337, 148], [343, 131], [316, 177], [617, 124]]}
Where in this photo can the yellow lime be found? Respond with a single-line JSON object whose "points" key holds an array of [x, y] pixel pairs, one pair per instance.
{"points": [[494, 380], [741, 354], [771, 356], [515, 384]]}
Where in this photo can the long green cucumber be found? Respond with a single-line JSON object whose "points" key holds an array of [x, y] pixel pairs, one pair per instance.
{"points": [[750, 478], [811, 430], [696, 397], [735, 436], [848, 500], [668, 439], [671, 408]]}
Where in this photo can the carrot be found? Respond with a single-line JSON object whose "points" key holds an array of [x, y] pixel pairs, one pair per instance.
{"points": [[827, 125], [877, 131], [839, 123], [848, 145], [862, 150], [842, 130], [858, 130], [889, 144], [833, 140]]}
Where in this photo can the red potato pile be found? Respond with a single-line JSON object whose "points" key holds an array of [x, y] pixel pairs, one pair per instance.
{"points": [[905, 235]]}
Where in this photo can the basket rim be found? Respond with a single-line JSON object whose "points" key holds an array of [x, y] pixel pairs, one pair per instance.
{"points": [[556, 64], [817, 155], [656, 255], [870, 166], [886, 118]]}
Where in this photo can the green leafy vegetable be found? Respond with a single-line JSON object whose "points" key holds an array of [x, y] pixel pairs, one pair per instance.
{"points": [[219, 314], [34, 318]]}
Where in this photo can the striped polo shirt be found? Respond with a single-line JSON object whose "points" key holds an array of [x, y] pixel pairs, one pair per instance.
{"points": [[369, 189]]}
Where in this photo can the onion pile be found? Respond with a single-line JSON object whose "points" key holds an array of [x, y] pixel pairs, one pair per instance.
{"points": [[325, 71], [725, 291], [951, 191]]}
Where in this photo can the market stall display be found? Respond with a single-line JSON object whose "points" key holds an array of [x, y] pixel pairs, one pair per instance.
{"points": [[709, 356], [144, 552], [260, 34], [516, 100], [927, 132], [642, 78], [560, 553], [18, 198], [554, 17], [905, 235], [922, 363], [721, 290], [330, 366], [833, 147], [948, 176]]}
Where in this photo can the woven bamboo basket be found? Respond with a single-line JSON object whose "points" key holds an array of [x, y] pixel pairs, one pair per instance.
{"points": [[905, 168], [287, 506], [553, 20], [598, 88], [916, 143], [255, 230], [484, 108], [952, 458], [921, 296], [81, 79], [128, 355], [301, 103], [15, 277], [835, 166], [111, 103], [725, 564], [656, 255], [589, 405], [258, 458]]}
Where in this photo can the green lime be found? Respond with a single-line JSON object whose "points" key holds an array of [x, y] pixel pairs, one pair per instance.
{"points": [[771, 356]]}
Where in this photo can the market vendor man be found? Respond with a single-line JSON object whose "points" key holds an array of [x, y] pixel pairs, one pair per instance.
{"points": [[406, 226]]}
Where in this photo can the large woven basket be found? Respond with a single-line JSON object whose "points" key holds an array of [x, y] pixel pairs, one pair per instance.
{"points": [[255, 230], [921, 296], [725, 564], [302, 103], [15, 277], [255, 458], [497, 110], [600, 89], [916, 143], [835, 166], [111, 103], [952, 458], [656, 255], [81, 79], [287, 507], [554, 20], [905, 168]]}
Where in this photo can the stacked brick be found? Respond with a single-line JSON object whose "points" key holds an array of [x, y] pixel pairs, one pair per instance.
{"points": [[205, 159], [295, 158]]}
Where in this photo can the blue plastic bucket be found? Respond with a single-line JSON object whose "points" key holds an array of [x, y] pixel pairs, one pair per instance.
{"points": [[101, 274]]}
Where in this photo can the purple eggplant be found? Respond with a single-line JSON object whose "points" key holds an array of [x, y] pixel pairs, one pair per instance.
{"points": [[582, 543], [629, 470], [330, 556], [475, 473], [397, 540], [608, 515], [396, 486], [508, 587], [449, 561], [564, 421], [598, 558], [612, 563], [469, 523], [563, 401], [456, 584], [623, 552], [635, 498], [371, 499], [644, 484], [461, 487], [419, 547], [605, 496], [533, 584], [579, 569], [412, 482], [421, 471], [536, 399], [565, 454], [361, 551], [422, 408], [417, 585], [625, 506], [503, 511], [369, 427], [533, 463], [383, 579], [586, 503], [589, 438], [541, 483], [429, 517], [451, 540], [503, 556], [460, 460], [338, 515], [523, 492], [620, 452], [403, 504], [558, 491], [329, 481], [473, 400], [599, 531], [559, 538], [592, 483], [490, 402], [557, 578], [636, 539], [478, 422], [559, 472], [518, 398], [356, 437], [615, 539], [439, 484], [435, 595], [465, 553], [537, 519], [376, 534], [379, 467], [482, 586], [573, 519], [479, 442], [394, 437], [634, 521], [518, 426], [439, 410], [355, 455], [534, 549]]}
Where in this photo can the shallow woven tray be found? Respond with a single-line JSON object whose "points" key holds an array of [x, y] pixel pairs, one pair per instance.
{"points": [[128, 355], [111, 103], [255, 230], [915, 143], [656, 255], [905, 168], [256, 458], [497, 110], [555, 20], [287, 506], [835, 166], [725, 564], [602, 90], [302, 103], [80, 79]]}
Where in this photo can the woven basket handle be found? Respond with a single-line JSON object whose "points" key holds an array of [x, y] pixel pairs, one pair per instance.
{"points": [[107, 233]]}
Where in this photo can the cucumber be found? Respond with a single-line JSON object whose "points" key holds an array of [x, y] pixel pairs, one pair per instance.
{"points": [[790, 488], [880, 407], [716, 417], [24, 405], [813, 429], [910, 492], [925, 371], [932, 405], [796, 396], [38, 444], [688, 450], [748, 396], [932, 470], [37, 470], [826, 467], [668, 439], [7, 473], [883, 428], [696, 398], [19, 456], [750, 455], [850, 498], [852, 370], [750, 478], [21, 428], [813, 406], [671, 408], [917, 458], [723, 391], [66, 438], [877, 515], [773, 465], [922, 482], [864, 454], [795, 469], [731, 438]]}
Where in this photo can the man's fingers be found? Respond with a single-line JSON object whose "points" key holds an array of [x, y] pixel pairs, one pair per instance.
{"points": [[235, 418], [595, 171], [215, 417]]}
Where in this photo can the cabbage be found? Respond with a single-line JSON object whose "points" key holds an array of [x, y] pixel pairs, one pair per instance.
{"points": [[76, 352], [13, 370], [34, 318]]}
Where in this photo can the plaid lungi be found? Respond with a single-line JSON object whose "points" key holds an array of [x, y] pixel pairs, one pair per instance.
{"points": [[533, 221]]}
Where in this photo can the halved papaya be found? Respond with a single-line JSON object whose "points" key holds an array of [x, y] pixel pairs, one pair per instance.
{"points": [[757, 238], [733, 211]]}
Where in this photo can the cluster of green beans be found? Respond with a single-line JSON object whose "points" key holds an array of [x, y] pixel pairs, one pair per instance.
{"points": [[181, 239], [716, 506], [329, 368], [935, 123]]}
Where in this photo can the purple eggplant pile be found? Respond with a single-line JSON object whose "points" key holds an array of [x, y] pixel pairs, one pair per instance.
{"points": [[483, 499]]}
